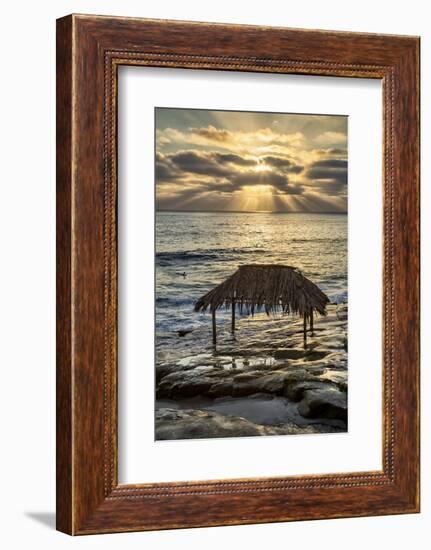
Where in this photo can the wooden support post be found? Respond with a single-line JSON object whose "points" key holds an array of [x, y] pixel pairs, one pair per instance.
{"points": [[214, 327], [311, 323], [305, 329], [233, 315]]}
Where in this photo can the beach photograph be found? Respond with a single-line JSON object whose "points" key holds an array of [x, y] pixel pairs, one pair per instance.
{"points": [[251, 302]]}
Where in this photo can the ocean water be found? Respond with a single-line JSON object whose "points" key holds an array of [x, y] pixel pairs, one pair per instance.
{"points": [[195, 251]]}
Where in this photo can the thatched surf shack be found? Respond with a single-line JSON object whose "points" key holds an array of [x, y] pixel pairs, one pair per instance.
{"points": [[270, 288]]}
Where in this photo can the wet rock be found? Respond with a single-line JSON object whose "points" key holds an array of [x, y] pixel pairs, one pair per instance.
{"points": [[289, 354], [198, 424], [299, 375], [183, 332], [216, 381], [337, 377], [324, 403], [270, 383], [221, 389], [246, 376], [295, 390], [267, 360], [164, 370], [190, 362], [315, 355], [275, 364], [183, 384]]}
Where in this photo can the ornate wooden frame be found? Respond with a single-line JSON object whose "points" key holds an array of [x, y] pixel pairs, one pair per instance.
{"points": [[89, 51]]}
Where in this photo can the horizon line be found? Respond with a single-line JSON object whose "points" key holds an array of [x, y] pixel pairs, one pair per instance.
{"points": [[249, 211]]}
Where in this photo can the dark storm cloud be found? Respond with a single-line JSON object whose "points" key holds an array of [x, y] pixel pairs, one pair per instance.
{"points": [[283, 163], [224, 165], [208, 163], [277, 161], [222, 173], [329, 175], [227, 173], [328, 187], [234, 159], [321, 174], [191, 177], [297, 169], [198, 163], [331, 163], [165, 171], [330, 171]]}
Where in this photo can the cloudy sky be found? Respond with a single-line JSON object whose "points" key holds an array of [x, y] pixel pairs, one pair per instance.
{"points": [[246, 161]]}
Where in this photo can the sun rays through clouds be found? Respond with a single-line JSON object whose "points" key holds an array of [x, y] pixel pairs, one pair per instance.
{"points": [[245, 161]]}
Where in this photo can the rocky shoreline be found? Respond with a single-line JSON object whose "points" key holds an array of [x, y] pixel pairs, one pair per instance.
{"points": [[262, 382]]}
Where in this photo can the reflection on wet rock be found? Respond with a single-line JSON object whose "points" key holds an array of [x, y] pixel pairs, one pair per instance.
{"points": [[263, 382]]}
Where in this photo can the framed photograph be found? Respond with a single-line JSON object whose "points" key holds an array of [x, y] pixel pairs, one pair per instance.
{"points": [[237, 274]]}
